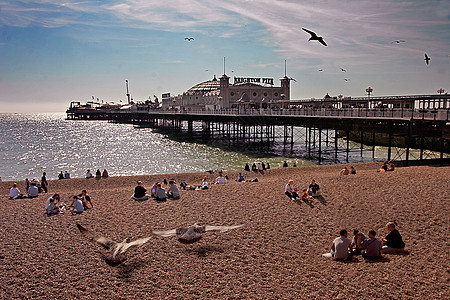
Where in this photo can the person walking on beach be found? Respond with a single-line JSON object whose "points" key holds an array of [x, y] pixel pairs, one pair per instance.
{"points": [[44, 183], [27, 184]]}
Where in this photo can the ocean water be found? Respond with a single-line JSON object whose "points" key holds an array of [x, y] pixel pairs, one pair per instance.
{"points": [[33, 143]]}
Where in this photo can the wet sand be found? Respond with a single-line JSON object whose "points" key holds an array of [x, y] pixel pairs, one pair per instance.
{"points": [[276, 255]]}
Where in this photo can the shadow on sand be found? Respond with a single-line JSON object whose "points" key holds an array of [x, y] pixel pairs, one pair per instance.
{"points": [[126, 270], [321, 199], [203, 251]]}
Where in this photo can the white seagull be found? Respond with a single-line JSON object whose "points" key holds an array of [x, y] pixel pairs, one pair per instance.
{"points": [[192, 234], [117, 249]]}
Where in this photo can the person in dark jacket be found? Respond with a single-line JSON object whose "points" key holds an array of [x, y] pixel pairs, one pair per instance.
{"points": [[393, 242]]}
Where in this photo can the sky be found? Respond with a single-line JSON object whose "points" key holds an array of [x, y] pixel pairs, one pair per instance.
{"points": [[54, 52]]}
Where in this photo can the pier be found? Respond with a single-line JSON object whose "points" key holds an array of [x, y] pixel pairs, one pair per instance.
{"points": [[412, 131]]}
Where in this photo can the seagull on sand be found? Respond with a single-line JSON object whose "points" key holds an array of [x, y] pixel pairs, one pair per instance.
{"points": [[117, 249], [189, 39], [343, 70], [314, 37], [192, 234], [346, 79], [398, 41], [427, 59]]}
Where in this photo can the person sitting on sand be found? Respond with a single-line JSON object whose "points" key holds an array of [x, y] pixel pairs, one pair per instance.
{"points": [[66, 175], [220, 179], [371, 246], [393, 242], [14, 192], [341, 246], [173, 192], [105, 174], [153, 190], [285, 164], [33, 190], [247, 167], [85, 198], [89, 174], [139, 192], [227, 179], [356, 250], [314, 189], [60, 175], [352, 170], [344, 171], [240, 177], [305, 196], [56, 199], [77, 206], [384, 167], [290, 191], [254, 168], [98, 174], [390, 167], [52, 209], [204, 185], [160, 193]]}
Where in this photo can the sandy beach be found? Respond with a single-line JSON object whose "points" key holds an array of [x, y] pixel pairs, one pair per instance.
{"points": [[275, 255]]}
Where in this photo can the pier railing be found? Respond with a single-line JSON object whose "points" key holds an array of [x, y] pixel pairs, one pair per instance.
{"points": [[438, 114]]}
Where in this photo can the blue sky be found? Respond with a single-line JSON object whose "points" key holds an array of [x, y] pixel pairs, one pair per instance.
{"points": [[53, 52]]}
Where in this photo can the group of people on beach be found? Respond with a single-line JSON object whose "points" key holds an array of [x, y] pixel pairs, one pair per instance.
{"points": [[79, 204], [346, 171], [313, 190], [257, 167], [387, 166], [98, 174], [369, 247], [32, 188], [157, 192]]}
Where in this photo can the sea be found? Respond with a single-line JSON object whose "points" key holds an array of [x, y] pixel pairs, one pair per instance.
{"points": [[31, 144]]}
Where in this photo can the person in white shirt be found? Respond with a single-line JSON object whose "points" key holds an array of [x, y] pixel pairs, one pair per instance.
{"points": [[89, 174], [14, 192], [341, 246], [220, 179], [49, 200], [33, 190]]}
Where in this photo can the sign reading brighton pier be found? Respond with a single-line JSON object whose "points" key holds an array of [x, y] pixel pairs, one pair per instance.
{"points": [[253, 80]]}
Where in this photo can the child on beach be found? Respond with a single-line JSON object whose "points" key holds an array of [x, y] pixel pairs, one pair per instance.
{"points": [[52, 209], [305, 195]]}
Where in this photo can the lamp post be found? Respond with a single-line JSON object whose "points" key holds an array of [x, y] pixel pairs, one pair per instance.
{"points": [[369, 90]]}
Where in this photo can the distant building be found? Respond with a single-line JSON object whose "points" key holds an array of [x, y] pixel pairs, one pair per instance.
{"points": [[220, 94]]}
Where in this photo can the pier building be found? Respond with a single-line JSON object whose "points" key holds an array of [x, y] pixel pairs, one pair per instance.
{"points": [[244, 92]]}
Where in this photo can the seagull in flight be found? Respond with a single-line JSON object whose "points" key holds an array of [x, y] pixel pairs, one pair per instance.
{"points": [[427, 59], [189, 39], [346, 79], [117, 249], [314, 37], [398, 41], [192, 234], [343, 70]]}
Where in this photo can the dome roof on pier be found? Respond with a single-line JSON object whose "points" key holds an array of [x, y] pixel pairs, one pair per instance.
{"points": [[205, 87]]}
